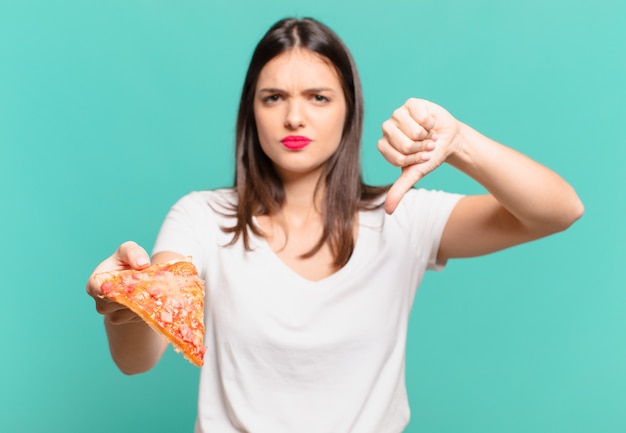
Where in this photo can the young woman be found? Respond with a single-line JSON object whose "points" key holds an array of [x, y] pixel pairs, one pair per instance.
{"points": [[310, 274]]}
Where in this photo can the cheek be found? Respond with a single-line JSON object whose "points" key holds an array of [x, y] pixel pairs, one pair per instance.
{"points": [[339, 122], [263, 133], [258, 121], [266, 119], [261, 126]]}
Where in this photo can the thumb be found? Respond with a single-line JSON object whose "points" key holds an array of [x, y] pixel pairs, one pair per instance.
{"points": [[132, 255], [409, 177]]}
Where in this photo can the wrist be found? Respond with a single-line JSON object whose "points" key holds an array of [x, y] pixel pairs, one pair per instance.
{"points": [[463, 147]]}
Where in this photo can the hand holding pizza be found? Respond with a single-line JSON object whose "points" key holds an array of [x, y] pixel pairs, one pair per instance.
{"points": [[418, 138], [128, 256], [168, 297]]}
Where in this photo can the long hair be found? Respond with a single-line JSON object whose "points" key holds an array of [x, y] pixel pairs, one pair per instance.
{"points": [[259, 189]]}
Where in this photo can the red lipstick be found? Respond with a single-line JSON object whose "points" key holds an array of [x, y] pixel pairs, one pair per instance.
{"points": [[295, 142]]}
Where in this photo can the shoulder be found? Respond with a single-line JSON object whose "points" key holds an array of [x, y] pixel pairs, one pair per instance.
{"points": [[426, 202], [218, 200], [422, 214], [195, 220], [198, 207], [419, 209], [428, 195]]}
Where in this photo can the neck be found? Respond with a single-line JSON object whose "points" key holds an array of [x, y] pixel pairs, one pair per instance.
{"points": [[302, 201]]}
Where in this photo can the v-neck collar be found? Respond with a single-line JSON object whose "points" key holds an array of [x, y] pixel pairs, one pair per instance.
{"points": [[368, 221]]}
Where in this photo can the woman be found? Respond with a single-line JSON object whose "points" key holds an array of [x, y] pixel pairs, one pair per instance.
{"points": [[310, 274]]}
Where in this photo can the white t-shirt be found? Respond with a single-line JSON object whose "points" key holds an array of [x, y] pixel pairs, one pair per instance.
{"points": [[286, 354]]}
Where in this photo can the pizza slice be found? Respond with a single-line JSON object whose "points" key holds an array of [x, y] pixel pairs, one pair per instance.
{"points": [[167, 296]]}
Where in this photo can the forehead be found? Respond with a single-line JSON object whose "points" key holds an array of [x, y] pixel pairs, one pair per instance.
{"points": [[299, 67]]}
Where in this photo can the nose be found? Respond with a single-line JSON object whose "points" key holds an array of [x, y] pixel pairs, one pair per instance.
{"points": [[294, 117]]}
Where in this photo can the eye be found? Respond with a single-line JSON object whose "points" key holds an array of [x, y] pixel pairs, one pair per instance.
{"points": [[270, 99], [321, 99]]}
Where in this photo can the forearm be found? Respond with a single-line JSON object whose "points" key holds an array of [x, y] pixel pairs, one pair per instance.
{"points": [[535, 195], [134, 346]]}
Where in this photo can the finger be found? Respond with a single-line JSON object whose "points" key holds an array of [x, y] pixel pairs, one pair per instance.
{"points": [[400, 141], [399, 159], [123, 316], [131, 254], [116, 313], [93, 287], [107, 306], [409, 125], [420, 111], [397, 139], [409, 177]]}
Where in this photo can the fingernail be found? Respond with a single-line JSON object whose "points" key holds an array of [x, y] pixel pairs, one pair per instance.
{"points": [[142, 261]]}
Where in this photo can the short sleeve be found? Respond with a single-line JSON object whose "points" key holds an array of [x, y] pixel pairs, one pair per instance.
{"points": [[425, 213], [184, 229]]}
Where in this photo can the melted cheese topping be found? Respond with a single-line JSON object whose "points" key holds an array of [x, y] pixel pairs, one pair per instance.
{"points": [[172, 296]]}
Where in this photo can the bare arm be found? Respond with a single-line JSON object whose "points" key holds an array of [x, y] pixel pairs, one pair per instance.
{"points": [[526, 200], [134, 346]]}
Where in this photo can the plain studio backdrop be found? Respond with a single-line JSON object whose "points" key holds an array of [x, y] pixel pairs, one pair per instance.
{"points": [[112, 110]]}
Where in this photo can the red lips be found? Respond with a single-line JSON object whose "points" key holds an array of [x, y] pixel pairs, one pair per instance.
{"points": [[295, 142]]}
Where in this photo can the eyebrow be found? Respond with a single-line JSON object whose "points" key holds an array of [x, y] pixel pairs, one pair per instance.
{"points": [[310, 90]]}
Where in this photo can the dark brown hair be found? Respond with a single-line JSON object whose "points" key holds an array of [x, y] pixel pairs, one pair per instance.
{"points": [[259, 189]]}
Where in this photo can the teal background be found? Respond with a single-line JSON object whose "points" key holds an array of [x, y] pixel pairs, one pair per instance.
{"points": [[110, 111]]}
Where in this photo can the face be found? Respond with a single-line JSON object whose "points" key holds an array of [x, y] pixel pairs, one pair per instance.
{"points": [[300, 109]]}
